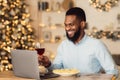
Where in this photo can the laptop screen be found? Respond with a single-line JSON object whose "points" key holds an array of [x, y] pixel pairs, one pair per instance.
{"points": [[25, 63]]}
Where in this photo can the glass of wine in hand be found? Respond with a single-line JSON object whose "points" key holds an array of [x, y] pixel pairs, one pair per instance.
{"points": [[40, 52]]}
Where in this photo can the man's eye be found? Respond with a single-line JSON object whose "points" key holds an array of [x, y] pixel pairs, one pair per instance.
{"points": [[65, 24], [71, 24]]}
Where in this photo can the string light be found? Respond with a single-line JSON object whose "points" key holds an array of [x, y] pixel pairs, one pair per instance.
{"points": [[103, 7], [113, 35]]}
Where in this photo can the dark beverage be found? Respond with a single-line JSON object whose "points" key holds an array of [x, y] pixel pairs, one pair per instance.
{"points": [[40, 51]]}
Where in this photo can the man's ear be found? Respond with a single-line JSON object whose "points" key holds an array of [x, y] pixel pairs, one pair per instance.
{"points": [[83, 24]]}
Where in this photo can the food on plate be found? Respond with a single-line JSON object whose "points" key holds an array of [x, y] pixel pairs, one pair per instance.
{"points": [[66, 72]]}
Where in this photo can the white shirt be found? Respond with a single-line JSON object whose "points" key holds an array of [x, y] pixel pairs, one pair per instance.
{"points": [[90, 55]]}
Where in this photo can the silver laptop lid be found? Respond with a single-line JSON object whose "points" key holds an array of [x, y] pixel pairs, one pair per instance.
{"points": [[25, 63]]}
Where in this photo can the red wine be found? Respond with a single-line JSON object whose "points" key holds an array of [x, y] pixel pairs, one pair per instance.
{"points": [[40, 51]]}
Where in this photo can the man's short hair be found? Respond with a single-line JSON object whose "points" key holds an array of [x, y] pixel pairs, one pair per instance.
{"points": [[78, 12]]}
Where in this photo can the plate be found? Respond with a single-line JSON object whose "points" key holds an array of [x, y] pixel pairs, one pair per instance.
{"points": [[66, 72]]}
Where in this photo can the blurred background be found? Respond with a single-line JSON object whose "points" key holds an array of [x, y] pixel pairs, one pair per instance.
{"points": [[30, 24]]}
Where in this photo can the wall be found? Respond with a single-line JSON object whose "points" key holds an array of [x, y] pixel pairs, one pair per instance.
{"points": [[100, 19], [95, 18], [33, 7]]}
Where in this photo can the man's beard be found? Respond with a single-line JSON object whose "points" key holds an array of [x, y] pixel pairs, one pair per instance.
{"points": [[76, 35]]}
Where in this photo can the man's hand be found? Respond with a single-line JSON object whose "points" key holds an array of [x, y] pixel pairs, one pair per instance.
{"points": [[44, 60]]}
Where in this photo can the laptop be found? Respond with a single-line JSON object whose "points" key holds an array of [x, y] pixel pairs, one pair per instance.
{"points": [[25, 64]]}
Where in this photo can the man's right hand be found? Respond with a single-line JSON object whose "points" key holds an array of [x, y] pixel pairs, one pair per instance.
{"points": [[44, 60]]}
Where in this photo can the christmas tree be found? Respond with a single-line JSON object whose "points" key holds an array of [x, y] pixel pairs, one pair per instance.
{"points": [[15, 30]]}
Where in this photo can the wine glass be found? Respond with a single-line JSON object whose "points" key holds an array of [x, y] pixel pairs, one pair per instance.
{"points": [[40, 51]]}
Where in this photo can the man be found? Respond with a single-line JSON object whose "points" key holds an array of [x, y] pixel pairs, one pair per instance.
{"points": [[80, 51]]}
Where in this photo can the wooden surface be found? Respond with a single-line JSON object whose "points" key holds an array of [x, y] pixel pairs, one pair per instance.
{"points": [[86, 77], [8, 75]]}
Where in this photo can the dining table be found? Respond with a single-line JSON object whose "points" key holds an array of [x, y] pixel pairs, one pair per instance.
{"points": [[8, 75]]}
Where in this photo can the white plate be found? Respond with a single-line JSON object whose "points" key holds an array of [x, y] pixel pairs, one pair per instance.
{"points": [[66, 72]]}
